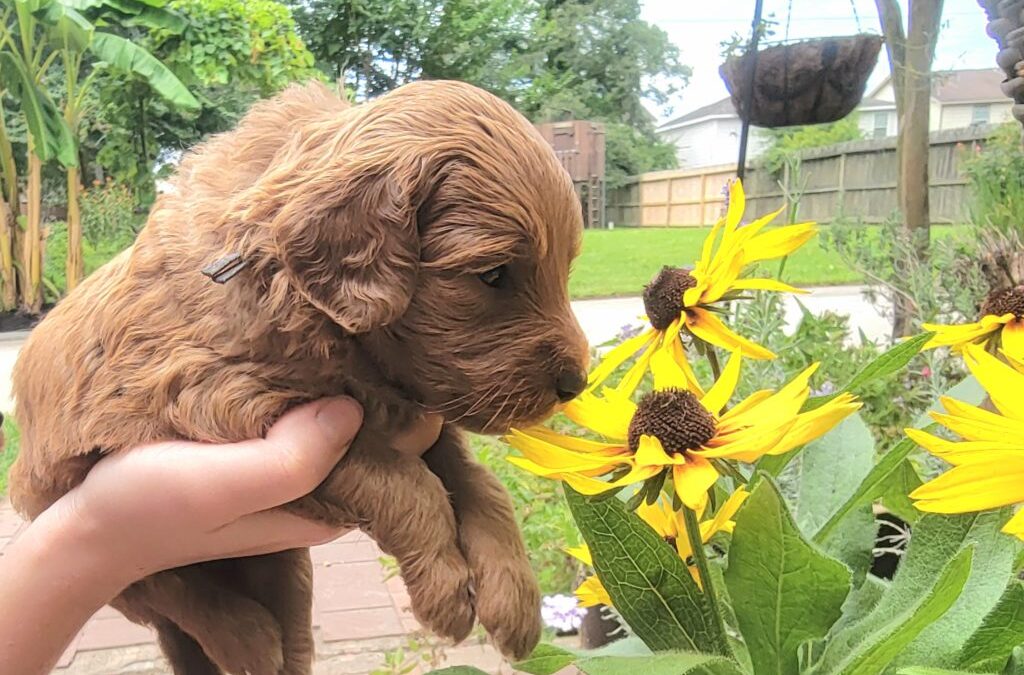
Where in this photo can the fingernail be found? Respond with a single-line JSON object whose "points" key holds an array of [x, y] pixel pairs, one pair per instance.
{"points": [[340, 418]]}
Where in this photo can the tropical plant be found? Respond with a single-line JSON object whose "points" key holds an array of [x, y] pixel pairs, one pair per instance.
{"points": [[37, 33]]}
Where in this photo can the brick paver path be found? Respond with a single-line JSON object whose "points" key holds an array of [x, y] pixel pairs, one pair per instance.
{"points": [[359, 616]]}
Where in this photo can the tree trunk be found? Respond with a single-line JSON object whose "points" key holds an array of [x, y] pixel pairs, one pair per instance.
{"points": [[75, 269], [911, 65], [9, 290], [32, 252]]}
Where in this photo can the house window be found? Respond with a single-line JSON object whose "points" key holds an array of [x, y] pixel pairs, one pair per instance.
{"points": [[980, 113], [881, 128]]}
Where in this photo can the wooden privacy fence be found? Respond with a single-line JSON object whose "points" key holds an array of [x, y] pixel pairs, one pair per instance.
{"points": [[855, 179]]}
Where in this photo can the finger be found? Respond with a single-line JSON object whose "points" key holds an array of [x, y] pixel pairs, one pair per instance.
{"points": [[269, 532], [420, 436], [297, 454]]}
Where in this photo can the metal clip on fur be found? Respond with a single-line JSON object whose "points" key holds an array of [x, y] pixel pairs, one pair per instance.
{"points": [[223, 270]]}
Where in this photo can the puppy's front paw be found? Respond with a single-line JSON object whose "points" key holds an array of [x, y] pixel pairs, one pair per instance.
{"points": [[441, 598], [508, 605]]}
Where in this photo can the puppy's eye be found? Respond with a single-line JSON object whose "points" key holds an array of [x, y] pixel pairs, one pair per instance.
{"points": [[495, 278]]}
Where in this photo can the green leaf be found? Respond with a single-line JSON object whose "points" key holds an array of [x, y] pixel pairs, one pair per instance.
{"points": [[679, 663], [649, 585], [787, 592], [935, 540], [940, 643], [458, 670], [545, 660], [872, 487], [127, 56], [875, 653], [889, 362], [923, 670], [896, 492], [66, 26], [991, 645], [50, 133], [821, 491]]}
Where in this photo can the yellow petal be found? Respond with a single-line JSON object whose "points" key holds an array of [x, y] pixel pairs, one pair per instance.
{"points": [[1003, 384], [725, 513], [778, 242], [581, 553], [1015, 525], [635, 375], [574, 443], [650, 453], [1013, 340], [977, 486], [757, 284], [816, 423], [592, 593], [607, 416], [707, 327], [692, 481], [619, 355], [552, 455], [667, 369], [747, 446], [722, 390], [737, 204], [959, 335], [660, 517], [722, 276]]}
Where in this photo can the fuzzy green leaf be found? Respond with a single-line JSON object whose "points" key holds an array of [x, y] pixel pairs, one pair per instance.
{"points": [[889, 362], [872, 487], [458, 670], [647, 582], [820, 491], [787, 592], [545, 660], [679, 663], [875, 653], [991, 645]]}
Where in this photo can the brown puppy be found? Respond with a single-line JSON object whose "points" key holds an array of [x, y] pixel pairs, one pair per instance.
{"points": [[412, 252]]}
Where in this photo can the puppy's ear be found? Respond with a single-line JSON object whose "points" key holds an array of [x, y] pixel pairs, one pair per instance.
{"points": [[352, 249]]}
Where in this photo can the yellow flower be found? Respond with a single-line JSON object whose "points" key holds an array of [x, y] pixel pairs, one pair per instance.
{"points": [[988, 463], [1002, 321], [673, 429], [681, 299], [671, 527]]}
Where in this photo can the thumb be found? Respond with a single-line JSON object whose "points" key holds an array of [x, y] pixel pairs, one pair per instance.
{"points": [[296, 455]]}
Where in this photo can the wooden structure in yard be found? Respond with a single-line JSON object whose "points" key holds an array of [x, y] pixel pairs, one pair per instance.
{"points": [[855, 179], [579, 146]]}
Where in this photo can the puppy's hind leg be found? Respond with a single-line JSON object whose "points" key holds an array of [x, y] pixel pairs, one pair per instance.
{"points": [[182, 651], [405, 508]]}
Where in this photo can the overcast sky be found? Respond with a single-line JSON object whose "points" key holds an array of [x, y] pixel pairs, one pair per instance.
{"points": [[698, 26]]}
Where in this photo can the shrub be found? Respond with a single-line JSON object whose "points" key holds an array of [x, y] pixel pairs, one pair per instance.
{"points": [[995, 178]]}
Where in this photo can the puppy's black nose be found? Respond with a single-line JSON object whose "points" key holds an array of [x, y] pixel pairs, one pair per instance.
{"points": [[569, 384]]}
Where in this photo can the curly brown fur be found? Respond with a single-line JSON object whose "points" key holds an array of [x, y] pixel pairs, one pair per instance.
{"points": [[365, 230]]}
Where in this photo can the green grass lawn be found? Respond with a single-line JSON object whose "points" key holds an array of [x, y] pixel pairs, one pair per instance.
{"points": [[620, 262]]}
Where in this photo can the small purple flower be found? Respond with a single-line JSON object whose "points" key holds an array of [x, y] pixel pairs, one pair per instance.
{"points": [[826, 389], [628, 331], [562, 612]]}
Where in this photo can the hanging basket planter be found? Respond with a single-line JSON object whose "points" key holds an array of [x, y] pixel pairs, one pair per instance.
{"points": [[810, 82]]}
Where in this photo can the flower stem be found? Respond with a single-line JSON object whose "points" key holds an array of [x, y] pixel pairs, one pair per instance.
{"points": [[716, 369], [701, 561]]}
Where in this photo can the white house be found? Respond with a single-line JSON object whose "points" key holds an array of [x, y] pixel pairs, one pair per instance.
{"points": [[959, 99], [710, 136]]}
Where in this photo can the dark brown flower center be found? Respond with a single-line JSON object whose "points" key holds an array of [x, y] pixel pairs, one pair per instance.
{"points": [[1005, 301], [663, 297], [673, 416]]}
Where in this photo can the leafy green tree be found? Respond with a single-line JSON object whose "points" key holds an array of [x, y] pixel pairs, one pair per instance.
{"points": [[786, 142], [230, 53], [373, 46]]}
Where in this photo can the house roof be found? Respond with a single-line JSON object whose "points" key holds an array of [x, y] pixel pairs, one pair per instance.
{"points": [[868, 103], [962, 86], [723, 108]]}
